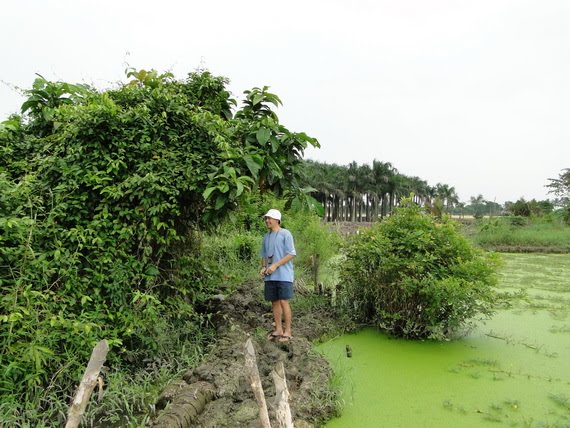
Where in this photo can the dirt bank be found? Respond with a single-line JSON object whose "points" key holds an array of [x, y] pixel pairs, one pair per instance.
{"points": [[217, 393]]}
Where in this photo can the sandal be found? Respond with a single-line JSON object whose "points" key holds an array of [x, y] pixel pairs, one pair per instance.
{"points": [[284, 339], [272, 336]]}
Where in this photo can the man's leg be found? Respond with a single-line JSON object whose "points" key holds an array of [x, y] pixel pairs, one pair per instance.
{"points": [[277, 315], [286, 311]]}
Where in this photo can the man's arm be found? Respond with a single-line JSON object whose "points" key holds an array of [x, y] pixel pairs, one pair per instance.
{"points": [[278, 263]]}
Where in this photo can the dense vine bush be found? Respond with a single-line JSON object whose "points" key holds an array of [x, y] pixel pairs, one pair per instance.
{"points": [[415, 277], [101, 195]]}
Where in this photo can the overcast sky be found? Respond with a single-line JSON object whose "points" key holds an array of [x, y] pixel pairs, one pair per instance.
{"points": [[474, 94]]}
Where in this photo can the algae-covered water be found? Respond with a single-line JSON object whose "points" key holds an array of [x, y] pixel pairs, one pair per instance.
{"points": [[514, 370]]}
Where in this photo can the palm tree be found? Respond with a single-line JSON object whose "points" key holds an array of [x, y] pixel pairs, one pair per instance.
{"points": [[365, 179], [418, 187], [447, 194], [477, 204], [382, 172]]}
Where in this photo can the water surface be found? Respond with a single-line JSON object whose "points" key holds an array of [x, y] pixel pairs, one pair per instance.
{"points": [[514, 370]]}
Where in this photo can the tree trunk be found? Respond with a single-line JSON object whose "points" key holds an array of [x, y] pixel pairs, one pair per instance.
{"points": [[255, 382], [88, 382]]}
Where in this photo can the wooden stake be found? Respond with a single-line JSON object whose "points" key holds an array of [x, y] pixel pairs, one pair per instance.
{"points": [[88, 382], [255, 382], [283, 412]]}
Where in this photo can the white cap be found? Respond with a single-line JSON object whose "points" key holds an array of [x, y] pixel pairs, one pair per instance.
{"points": [[273, 214]]}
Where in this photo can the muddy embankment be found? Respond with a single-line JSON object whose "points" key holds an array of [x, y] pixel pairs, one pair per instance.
{"points": [[218, 394]]}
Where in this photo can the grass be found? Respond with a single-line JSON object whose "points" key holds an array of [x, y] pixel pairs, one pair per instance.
{"points": [[519, 234], [126, 400]]}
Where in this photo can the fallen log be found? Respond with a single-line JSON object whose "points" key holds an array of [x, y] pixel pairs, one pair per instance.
{"points": [[88, 382], [184, 403]]}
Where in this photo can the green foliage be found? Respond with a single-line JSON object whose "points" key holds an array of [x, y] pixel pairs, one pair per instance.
{"points": [[367, 192], [101, 197], [479, 208], [548, 232], [233, 255], [416, 278], [561, 186], [44, 99], [566, 214], [267, 158], [533, 207], [517, 220], [315, 243]]}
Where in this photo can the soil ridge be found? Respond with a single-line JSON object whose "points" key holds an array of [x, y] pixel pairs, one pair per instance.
{"points": [[218, 394]]}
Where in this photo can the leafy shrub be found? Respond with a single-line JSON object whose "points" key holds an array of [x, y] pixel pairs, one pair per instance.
{"points": [[314, 241], [101, 197], [566, 214], [247, 247], [517, 220], [416, 278]]}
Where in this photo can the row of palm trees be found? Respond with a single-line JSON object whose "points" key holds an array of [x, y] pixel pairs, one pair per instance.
{"points": [[369, 192]]}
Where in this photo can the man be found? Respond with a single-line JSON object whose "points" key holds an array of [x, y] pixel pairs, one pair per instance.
{"points": [[277, 253]]}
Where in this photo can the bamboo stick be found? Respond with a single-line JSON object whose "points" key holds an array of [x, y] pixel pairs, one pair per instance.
{"points": [[255, 382], [88, 382], [283, 410]]}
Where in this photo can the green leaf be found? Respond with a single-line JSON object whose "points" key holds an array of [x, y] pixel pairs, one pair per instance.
{"points": [[152, 270], [262, 135], [253, 164], [240, 188], [220, 202], [257, 98], [208, 192]]}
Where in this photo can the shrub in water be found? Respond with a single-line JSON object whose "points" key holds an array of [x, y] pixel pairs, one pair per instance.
{"points": [[415, 277]]}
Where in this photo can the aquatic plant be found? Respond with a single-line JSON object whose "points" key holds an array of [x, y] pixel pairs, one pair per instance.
{"points": [[561, 399]]}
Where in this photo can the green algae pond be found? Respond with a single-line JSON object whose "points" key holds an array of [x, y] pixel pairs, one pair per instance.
{"points": [[512, 370]]}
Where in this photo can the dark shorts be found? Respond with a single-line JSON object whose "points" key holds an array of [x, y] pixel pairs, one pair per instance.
{"points": [[278, 290]]}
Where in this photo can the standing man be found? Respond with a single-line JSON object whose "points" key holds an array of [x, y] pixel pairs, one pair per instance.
{"points": [[277, 253]]}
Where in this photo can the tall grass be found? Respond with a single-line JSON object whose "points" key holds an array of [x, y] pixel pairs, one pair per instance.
{"points": [[520, 234], [127, 398]]}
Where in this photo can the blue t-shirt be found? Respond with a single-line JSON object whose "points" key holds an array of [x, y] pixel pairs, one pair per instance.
{"points": [[275, 246]]}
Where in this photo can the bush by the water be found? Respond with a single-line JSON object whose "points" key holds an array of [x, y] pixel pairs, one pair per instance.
{"points": [[416, 277]]}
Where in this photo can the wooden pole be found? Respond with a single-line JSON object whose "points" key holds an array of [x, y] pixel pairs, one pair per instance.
{"points": [[283, 412], [255, 382], [88, 382]]}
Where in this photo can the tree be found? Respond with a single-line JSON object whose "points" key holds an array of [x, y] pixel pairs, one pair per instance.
{"points": [[448, 196], [382, 173], [533, 207], [561, 186], [366, 193], [478, 205]]}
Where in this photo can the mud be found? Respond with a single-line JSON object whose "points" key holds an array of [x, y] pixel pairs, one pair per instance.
{"points": [[218, 394]]}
